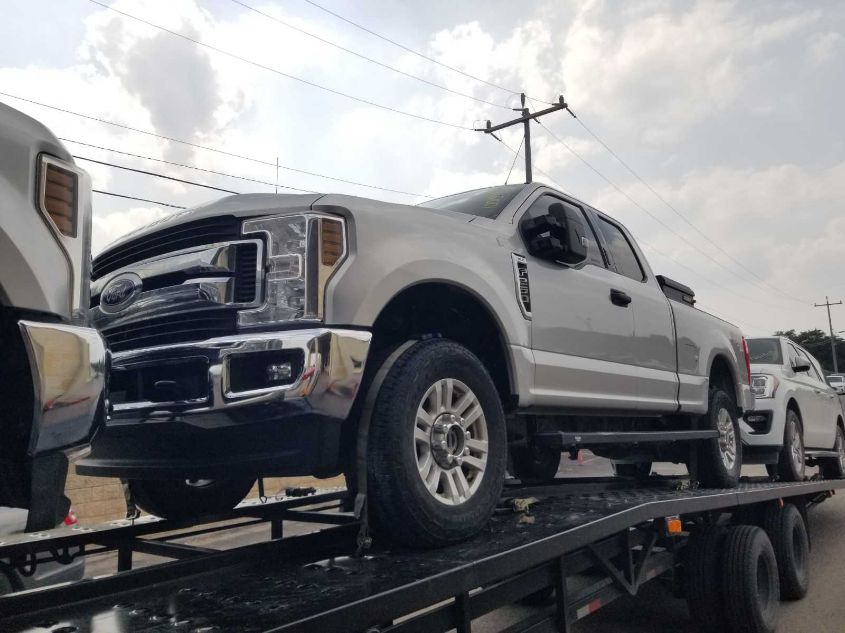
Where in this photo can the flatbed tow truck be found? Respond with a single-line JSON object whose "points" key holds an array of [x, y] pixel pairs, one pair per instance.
{"points": [[569, 548]]}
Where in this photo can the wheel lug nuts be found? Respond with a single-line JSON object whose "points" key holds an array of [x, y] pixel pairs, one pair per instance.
{"points": [[466, 451], [466, 434]]}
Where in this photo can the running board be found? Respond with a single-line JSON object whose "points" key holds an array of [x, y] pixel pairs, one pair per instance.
{"points": [[566, 439], [818, 454]]}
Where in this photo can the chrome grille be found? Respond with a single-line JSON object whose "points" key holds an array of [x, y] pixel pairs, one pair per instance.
{"points": [[176, 238]]}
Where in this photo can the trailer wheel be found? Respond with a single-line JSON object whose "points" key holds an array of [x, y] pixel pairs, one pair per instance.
{"points": [[720, 459], [703, 578], [188, 498], [786, 530], [437, 446], [834, 467], [750, 583], [535, 463]]}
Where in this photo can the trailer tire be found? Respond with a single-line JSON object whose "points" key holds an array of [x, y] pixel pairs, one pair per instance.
{"points": [[402, 505], [750, 583], [180, 499], [720, 458], [834, 467], [535, 464], [703, 576], [787, 531]]}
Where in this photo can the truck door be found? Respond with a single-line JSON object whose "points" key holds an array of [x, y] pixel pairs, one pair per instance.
{"points": [[821, 432], [654, 332], [581, 338]]}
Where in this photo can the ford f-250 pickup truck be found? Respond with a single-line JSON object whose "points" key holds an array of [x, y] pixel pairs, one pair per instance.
{"points": [[414, 348], [52, 367]]}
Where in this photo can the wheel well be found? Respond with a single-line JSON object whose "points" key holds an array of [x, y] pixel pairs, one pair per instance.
{"points": [[440, 309], [792, 404], [840, 423], [722, 376]]}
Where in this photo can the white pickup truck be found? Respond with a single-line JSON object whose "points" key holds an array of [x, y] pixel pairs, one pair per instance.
{"points": [[414, 348], [52, 367]]}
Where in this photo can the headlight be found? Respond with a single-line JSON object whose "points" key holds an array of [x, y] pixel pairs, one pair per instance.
{"points": [[303, 251], [763, 385]]}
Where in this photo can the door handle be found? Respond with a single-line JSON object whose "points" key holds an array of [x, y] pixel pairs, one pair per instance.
{"points": [[619, 298]]}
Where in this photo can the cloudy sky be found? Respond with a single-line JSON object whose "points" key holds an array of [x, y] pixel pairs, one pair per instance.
{"points": [[729, 113]]}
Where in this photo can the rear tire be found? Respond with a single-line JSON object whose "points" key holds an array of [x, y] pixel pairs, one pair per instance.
{"points": [[720, 459], [186, 499], [750, 584], [703, 578], [423, 432], [535, 464], [834, 467], [787, 531], [791, 463]]}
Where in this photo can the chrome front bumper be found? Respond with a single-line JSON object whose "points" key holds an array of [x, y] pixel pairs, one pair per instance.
{"points": [[331, 373], [69, 368]]}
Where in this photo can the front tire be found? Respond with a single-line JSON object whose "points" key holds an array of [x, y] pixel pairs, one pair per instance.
{"points": [[720, 459], [437, 447], [791, 463], [186, 499]]}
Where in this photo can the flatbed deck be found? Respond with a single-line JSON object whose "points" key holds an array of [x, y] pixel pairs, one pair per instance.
{"points": [[313, 583]]}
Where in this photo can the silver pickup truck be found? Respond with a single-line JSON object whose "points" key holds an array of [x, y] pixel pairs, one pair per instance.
{"points": [[420, 350], [52, 367]]}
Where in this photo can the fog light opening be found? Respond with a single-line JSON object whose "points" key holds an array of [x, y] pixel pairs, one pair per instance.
{"points": [[279, 372]]}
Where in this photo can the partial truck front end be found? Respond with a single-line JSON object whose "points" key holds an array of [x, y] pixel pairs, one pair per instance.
{"points": [[53, 367]]}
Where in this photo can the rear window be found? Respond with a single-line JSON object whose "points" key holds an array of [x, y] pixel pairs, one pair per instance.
{"points": [[487, 203], [765, 351]]}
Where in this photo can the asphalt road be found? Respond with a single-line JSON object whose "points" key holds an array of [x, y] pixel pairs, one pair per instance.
{"points": [[656, 609]]}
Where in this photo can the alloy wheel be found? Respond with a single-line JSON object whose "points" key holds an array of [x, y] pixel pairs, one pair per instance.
{"points": [[727, 439], [451, 441]]}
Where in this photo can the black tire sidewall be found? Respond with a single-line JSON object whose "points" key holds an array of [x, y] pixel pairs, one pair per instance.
{"points": [[781, 524], [400, 505], [744, 546]]}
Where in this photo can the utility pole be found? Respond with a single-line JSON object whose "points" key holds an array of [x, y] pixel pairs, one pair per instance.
{"points": [[827, 305], [525, 119]]}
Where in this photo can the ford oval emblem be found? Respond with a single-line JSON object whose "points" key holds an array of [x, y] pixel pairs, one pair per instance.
{"points": [[120, 292]]}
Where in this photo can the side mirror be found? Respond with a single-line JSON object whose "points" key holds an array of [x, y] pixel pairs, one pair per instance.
{"points": [[558, 236], [800, 365]]}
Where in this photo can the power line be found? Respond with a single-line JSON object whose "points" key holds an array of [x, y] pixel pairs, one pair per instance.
{"points": [[515, 157], [152, 173], [185, 165], [121, 195], [369, 59], [649, 213], [414, 52], [675, 210], [210, 149], [281, 73]]}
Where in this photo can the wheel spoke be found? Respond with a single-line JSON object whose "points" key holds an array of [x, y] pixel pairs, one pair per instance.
{"points": [[473, 444], [432, 481], [464, 403], [450, 488], [475, 463], [473, 415], [424, 419], [449, 388], [426, 466], [462, 483], [421, 436]]}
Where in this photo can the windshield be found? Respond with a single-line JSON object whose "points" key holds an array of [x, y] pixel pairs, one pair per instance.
{"points": [[765, 351], [837, 379], [487, 202]]}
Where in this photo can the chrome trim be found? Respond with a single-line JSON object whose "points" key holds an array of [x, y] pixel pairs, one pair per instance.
{"points": [[69, 366], [210, 259], [192, 294], [332, 372]]}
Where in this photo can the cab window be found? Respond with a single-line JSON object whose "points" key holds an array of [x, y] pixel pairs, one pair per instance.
{"points": [[621, 252], [541, 206], [814, 368]]}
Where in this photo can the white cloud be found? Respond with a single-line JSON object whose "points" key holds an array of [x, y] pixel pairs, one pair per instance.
{"points": [[823, 47], [107, 228]]}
